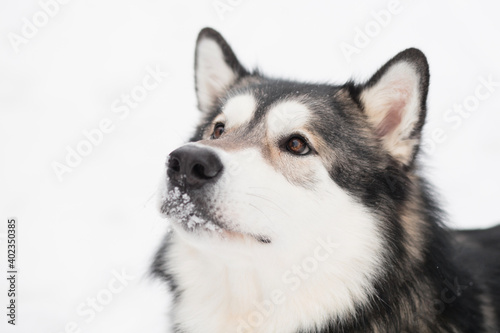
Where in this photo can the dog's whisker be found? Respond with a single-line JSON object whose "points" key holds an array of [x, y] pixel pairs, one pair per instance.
{"points": [[259, 210], [270, 201]]}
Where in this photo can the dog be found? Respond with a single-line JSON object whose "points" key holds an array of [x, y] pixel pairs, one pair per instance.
{"points": [[299, 208]]}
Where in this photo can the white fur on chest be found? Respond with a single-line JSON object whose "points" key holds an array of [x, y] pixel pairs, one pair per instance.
{"points": [[272, 288]]}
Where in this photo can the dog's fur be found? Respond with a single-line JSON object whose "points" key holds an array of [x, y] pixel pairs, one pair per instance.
{"points": [[345, 238]]}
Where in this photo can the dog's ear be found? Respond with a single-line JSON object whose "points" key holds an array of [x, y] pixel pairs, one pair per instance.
{"points": [[394, 100], [216, 68]]}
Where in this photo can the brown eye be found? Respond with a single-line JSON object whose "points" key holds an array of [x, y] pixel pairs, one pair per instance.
{"points": [[298, 146], [218, 130]]}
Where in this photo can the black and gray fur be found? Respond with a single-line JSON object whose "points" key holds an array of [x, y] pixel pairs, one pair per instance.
{"points": [[449, 282]]}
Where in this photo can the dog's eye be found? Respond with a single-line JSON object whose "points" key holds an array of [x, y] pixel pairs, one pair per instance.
{"points": [[298, 146], [218, 130]]}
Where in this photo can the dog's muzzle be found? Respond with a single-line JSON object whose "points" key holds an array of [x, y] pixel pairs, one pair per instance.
{"points": [[192, 167]]}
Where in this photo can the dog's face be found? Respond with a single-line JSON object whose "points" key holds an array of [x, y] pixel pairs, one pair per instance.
{"points": [[276, 164]]}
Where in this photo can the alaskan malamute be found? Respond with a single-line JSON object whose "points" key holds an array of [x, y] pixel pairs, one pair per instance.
{"points": [[298, 207]]}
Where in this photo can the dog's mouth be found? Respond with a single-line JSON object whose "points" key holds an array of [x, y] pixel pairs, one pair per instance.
{"points": [[196, 216], [181, 207]]}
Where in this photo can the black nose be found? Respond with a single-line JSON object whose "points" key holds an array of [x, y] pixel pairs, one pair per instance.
{"points": [[193, 166]]}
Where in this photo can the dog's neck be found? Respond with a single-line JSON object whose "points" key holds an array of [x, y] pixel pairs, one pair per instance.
{"points": [[227, 292]]}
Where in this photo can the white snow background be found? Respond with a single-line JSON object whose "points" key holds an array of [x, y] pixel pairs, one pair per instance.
{"points": [[101, 218]]}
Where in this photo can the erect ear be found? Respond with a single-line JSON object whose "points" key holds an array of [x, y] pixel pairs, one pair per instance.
{"points": [[216, 68], [394, 100]]}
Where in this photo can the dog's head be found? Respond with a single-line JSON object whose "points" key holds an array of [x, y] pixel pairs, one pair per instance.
{"points": [[281, 163]]}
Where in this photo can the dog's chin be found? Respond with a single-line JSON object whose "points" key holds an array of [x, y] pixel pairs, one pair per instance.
{"points": [[198, 228], [212, 232]]}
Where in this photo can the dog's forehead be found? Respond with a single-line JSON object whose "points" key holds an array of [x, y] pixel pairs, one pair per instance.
{"points": [[279, 105], [287, 114]]}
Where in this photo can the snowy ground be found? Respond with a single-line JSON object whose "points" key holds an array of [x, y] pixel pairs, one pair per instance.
{"points": [[99, 221]]}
